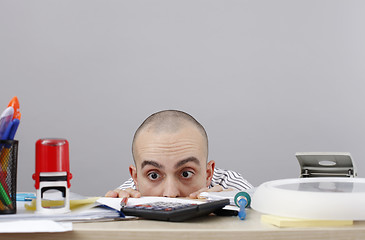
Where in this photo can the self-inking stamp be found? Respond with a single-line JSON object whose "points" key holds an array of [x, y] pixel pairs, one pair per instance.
{"points": [[52, 172]]}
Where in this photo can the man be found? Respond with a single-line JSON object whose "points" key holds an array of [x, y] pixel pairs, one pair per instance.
{"points": [[170, 151]]}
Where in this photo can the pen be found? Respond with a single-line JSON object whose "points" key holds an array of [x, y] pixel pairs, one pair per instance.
{"points": [[14, 128], [6, 133], [124, 201], [14, 103], [5, 198], [3, 175], [5, 119]]}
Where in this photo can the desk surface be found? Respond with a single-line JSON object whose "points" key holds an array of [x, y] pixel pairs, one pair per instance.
{"points": [[210, 227]]}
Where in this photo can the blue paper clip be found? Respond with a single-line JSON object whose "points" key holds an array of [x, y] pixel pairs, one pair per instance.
{"points": [[25, 196]]}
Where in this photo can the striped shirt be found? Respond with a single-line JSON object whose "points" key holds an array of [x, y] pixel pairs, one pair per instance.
{"points": [[224, 178]]}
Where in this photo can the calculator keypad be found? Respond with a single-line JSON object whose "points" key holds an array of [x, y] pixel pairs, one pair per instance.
{"points": [[161, 206]]}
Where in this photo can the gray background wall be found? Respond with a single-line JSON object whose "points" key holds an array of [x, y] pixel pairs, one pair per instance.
{"points": [[266, 78]]}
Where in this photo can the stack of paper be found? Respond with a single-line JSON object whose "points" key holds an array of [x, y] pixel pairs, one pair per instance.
{"points": [[114, 203], [83, 209]]}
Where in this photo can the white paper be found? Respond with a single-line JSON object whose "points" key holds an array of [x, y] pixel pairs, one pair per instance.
{"points": [[220, 195], [32, 226], [230, 194], [115, 202], [85, 213]]}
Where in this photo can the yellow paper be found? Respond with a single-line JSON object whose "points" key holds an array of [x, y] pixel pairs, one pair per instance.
{"points": [[297, 222], [55, 203]]}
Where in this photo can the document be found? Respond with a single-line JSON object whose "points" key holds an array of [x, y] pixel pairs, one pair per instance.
{"points": [[92, 212], [83, 210], [114, 203], [33, 226]]}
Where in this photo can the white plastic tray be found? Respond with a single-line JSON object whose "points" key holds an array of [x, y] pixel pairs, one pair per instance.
{"points": [[329, 198]]}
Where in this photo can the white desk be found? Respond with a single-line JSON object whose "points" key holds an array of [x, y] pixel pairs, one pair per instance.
{"points": [[210, 227]]}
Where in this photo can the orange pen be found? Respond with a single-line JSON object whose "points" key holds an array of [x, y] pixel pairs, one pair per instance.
{"points": [[14, 102], [124, 201]]}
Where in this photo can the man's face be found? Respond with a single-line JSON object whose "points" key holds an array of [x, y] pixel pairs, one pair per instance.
{"points": [[171, 164]]}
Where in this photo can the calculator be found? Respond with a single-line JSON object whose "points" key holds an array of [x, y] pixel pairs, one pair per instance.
{"points": [[173, 211]]}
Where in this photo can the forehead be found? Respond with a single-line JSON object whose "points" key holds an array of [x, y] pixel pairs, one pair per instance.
{"points": [[183, 143]]}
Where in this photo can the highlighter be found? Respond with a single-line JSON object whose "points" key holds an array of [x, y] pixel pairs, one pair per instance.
{"points": [[14, 102]]}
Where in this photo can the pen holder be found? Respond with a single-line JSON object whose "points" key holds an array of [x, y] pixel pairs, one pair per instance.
{"points": [[8, 172]]}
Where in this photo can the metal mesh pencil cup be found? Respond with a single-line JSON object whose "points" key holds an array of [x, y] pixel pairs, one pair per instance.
{"points": [[8, 175]]}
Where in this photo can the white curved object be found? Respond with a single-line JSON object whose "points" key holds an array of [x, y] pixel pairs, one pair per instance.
{"points": [[329, 198]]}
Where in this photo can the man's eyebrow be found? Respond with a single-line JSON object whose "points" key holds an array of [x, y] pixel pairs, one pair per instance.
{"points": [[152, 163], [189, 159]]}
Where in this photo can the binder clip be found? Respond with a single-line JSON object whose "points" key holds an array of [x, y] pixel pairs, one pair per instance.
{"points": [[52, 172]]}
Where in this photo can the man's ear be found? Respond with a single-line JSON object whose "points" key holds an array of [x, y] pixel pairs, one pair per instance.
{"points": [[210, 172], [133, 173]]}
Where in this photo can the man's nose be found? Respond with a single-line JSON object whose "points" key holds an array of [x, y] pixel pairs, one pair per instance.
{"points": [[171, 189]]}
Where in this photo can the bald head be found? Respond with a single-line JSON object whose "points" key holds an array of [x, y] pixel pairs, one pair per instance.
{"points": [[170, 152], [168, 121]]}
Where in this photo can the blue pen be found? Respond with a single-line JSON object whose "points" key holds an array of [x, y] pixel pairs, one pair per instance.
{"points": [[6, 133], [14, 127]]}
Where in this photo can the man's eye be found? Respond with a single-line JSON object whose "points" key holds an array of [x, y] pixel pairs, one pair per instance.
{"points": [[187, 174], [153, 176]]}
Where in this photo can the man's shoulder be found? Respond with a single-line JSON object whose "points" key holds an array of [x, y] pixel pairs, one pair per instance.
{"points": [[229, 179]]}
